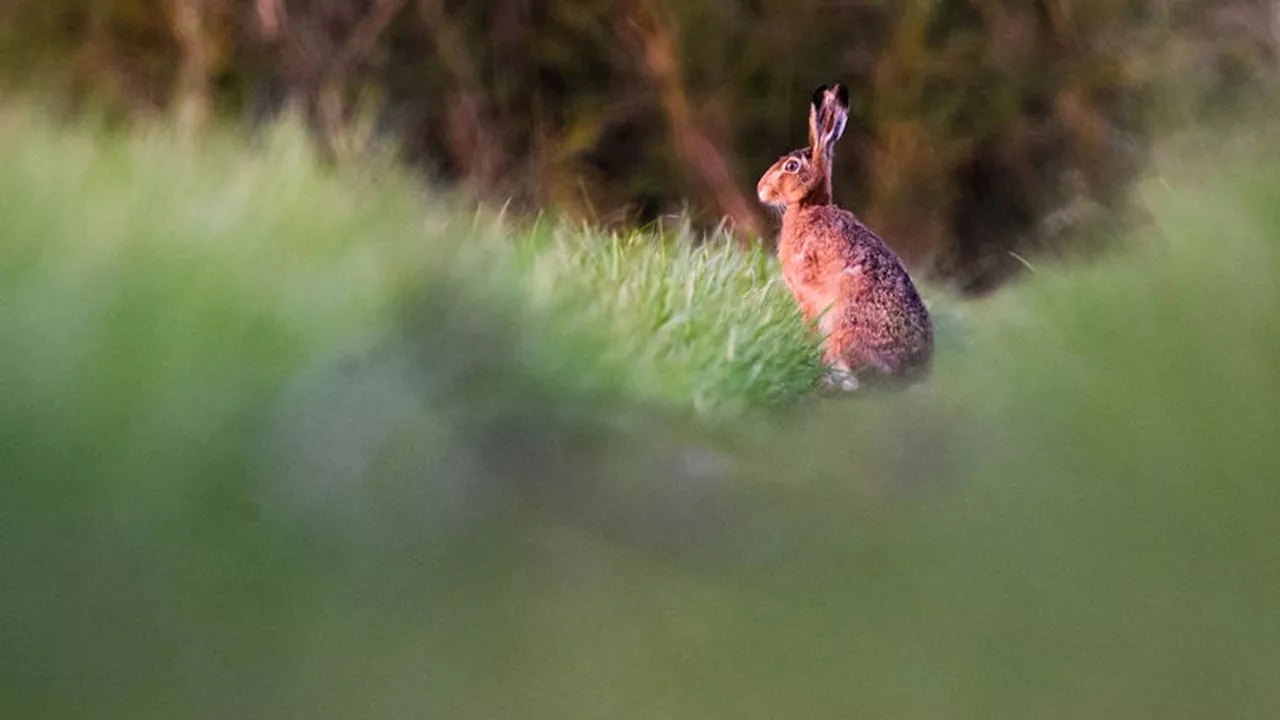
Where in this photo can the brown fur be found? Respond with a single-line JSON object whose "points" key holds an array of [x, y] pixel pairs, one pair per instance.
{"points": [[872, 318]]}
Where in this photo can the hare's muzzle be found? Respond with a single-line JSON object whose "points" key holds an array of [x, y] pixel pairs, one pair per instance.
{"points": [[765, 192]]}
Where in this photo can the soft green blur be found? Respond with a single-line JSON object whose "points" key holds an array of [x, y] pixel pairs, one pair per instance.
{"points": [[281, 441]]}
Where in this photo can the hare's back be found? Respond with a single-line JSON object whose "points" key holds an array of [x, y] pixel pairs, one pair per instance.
{"points": [[858, 247], [879, 285]]}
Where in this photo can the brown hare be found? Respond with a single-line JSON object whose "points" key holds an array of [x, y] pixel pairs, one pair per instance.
{"points": [[873, 323]]}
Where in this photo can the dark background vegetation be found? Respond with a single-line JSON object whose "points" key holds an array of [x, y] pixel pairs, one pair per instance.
{"points": [[982, 131]]}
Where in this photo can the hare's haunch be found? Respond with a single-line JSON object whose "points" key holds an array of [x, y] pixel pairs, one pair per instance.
{"points": [[871, 317]]}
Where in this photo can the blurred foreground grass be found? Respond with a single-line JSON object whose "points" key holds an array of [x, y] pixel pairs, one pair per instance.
{"points": [[280, 442]]}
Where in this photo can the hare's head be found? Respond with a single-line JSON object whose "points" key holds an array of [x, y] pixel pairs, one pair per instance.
{"points": [[803, 177]]}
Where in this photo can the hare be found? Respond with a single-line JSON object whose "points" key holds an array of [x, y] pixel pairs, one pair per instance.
{"points": [[870, 316]]}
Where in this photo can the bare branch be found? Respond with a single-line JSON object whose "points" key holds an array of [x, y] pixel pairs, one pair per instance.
{"points": [[697, 150], [364, 39], [187, 19], [269, 18], [474, 144]]}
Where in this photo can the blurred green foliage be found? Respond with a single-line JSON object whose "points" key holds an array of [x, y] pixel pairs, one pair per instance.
{"points": [[290, 441], [979, 128]]}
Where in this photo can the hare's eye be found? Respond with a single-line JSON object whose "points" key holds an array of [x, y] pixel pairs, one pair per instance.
{"points": [[791, 166]]}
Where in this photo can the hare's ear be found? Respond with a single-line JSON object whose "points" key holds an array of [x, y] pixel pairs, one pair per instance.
{"points": [[832, 103], [815, 116]]}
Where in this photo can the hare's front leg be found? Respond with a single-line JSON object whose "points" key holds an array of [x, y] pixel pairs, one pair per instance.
{"points": [[840, 374], [839, 378]]}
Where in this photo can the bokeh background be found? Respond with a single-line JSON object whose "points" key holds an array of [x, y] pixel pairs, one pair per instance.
{"points": [[978, 127]]}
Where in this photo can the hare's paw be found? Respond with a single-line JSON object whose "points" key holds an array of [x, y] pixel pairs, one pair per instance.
{"points": [[838, 381]]}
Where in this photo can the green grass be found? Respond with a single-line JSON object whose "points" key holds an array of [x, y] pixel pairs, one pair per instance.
{"points": [[284, 441], [669, 318]]}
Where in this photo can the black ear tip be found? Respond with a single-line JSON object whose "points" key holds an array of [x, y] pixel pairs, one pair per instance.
{"points": [[841, 93], [818, 95]]}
